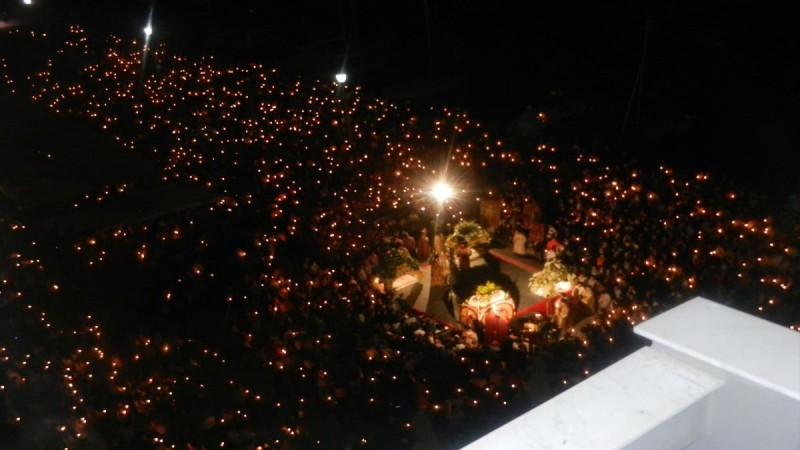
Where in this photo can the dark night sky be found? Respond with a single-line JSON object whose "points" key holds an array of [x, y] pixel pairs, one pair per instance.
{"points": [[718, 89]]}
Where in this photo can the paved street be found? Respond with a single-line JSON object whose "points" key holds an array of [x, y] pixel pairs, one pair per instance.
{"points": [[432, 300]]}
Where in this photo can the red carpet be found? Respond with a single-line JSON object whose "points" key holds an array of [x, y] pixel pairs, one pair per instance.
{"points": [[545, 307]]}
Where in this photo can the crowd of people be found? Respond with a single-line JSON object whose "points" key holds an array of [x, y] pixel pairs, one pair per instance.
{"points": [[254, 321]]}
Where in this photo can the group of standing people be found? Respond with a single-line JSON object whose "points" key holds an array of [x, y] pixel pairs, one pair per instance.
{"points": [[445, 261]]}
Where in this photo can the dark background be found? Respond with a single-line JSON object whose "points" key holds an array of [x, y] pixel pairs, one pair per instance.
{"points": [[702, 86]]}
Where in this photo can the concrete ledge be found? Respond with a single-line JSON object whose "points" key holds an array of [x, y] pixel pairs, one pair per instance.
{"points": [[759, 405], [616, 408], [706, 332]]}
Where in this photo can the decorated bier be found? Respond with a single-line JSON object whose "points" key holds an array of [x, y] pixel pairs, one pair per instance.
{"points": [[479, 306]]}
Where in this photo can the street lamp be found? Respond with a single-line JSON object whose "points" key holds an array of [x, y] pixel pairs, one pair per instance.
{"points": [[441, 192], [341, 77], [148, 29], [148, 32]]}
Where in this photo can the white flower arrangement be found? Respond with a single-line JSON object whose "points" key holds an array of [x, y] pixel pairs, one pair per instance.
{"points": [[553, 278]]}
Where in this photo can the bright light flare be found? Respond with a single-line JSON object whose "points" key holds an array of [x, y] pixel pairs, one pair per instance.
{"points": [[442, 191], [341, 77]]}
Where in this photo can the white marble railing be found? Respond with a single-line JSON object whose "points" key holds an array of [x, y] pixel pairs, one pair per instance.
{"points": [[712, 378], [759, 406]]}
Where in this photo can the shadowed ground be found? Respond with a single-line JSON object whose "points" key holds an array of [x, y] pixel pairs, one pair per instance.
{"points": [[49, 161]]}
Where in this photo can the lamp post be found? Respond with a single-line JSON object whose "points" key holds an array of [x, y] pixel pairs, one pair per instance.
{"points": [[148, 32], [441, 192], [433, 278], [148, 28], [341, 91], [439, 292]]}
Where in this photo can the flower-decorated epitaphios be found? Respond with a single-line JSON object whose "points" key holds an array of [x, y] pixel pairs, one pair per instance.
{"points": [[488, 297]]}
